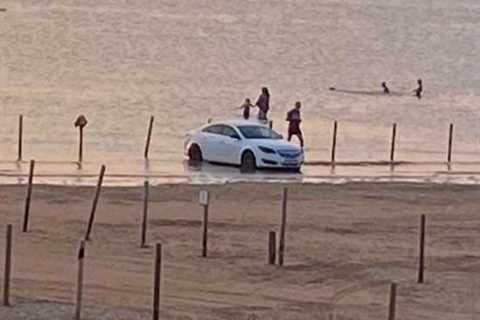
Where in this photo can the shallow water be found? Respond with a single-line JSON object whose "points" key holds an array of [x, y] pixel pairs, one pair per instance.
{"points": [[119, 62]]}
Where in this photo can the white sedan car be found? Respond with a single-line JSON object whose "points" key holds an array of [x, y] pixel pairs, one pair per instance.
{"points": [[247, 144]]}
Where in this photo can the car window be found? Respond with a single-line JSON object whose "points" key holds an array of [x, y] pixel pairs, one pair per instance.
{"points": [[230, 132], [215, 129], [259, 132]]}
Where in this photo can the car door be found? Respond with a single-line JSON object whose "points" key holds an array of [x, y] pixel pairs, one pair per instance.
{"points": [[230, 145], [212, 136]]}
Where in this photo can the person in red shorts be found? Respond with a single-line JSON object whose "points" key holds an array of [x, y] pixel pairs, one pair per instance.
{"points": [[294, 119]]}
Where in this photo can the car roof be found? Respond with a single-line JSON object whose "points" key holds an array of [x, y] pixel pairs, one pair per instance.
{"points": [[238, 122]]}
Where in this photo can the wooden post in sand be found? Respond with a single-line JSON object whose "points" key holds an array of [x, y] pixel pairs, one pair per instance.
{"points": [[144, 216], [272, 247], [450, 141], [95, 201], [204, 201], [81, 256], [392, 146], [157, 281], [149, 135], [393, 301], [8, 267], [20, 137], [421, 260], [334, 141], [281, 248], [29, 196]]}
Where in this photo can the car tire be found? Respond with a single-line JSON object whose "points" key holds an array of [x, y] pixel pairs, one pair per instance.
{"points": [[249, 163], [195, 153]]}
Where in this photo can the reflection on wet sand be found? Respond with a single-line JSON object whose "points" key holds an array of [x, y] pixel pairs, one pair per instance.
{"points": [[166, 172]]}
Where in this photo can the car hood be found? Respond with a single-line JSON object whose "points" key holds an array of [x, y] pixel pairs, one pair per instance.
{"points": [[275, 144]]}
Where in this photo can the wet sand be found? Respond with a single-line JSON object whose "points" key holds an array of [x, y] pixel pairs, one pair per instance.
{"points": [[345, 244]]}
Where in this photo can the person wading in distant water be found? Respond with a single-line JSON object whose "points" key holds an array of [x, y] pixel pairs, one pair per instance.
{"points": [[294, 119], [246, 108], [263, 104], [385, 88], [419, 89]]}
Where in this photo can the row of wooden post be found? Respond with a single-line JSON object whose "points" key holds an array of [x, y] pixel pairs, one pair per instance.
{"points": [[80, 276], [271, 244], [392, 143], [271, 236], [80, 142], [156, 309], [205, 203], [270, 123]]}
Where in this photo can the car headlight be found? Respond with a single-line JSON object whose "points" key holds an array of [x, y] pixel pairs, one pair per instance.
{"points": [[267, 150]]}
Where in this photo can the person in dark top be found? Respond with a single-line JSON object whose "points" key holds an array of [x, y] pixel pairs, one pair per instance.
{"points": [[263, 104], [385, 88], [294, 119], [419, 89], [246, 108]]}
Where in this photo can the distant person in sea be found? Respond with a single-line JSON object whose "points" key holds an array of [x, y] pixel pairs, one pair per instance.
{"points": [[419, 89], [294, 119], [246, 108], [263, 104], [385, 88]]}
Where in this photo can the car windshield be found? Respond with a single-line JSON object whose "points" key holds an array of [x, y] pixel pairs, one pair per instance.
{"points": [[258, 132]]}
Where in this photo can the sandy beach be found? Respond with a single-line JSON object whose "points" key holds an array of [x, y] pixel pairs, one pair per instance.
{"points": [[345, 244]]}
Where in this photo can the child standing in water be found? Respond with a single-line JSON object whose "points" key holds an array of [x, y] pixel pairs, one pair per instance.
{"points": [[246, 108]]}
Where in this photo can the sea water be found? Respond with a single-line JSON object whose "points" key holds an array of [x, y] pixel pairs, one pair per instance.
{"points": [[119, 62]]}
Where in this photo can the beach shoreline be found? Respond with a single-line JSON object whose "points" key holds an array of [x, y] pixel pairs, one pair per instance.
{"points": [[345, 244]]}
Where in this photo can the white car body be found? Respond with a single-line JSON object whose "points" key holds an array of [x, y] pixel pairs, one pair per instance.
{"points": [[218, 147]]}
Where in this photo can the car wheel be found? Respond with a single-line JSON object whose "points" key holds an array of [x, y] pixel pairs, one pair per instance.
{"points": [[194, 153], [248, 162]]}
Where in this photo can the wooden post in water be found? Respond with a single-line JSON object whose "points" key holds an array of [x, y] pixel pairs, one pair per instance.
{"points": [[95, 201], [149, 135], [144, 216], [393, 301], [270, 124], [450, 141], [392, 146], [272, 247], [81, 258], [8, 267], [281, 248], [421, 260], [80, 146], [29, 196], [20, 137], [157, 281], [334, 141]]}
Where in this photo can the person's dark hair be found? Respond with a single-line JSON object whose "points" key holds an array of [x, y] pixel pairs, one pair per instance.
{"points": [[265, 90]]}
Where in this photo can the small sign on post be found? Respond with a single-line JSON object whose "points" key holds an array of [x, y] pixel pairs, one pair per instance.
{"points": [[204, 201], [203, 198]]}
